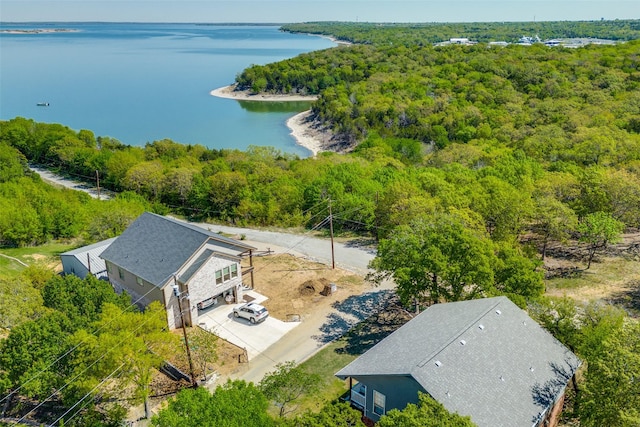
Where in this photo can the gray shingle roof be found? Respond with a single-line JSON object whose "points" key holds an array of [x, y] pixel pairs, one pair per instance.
{"points": [[484, 358], [154, 247]]}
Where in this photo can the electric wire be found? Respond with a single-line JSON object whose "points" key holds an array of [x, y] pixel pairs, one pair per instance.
{"points": [[87, 394], [288, 250], [82, 372], [72, 349]]}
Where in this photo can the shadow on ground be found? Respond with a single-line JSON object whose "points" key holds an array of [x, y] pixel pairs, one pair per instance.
{"points": [[628, 299], [352, 311], [370, 332]]}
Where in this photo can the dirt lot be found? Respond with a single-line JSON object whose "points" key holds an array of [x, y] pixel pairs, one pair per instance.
{"points": [[295, 288], [294, 285]]}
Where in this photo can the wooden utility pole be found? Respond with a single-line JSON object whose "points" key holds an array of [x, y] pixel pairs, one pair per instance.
{"points": [[194, 384], [98, 183], [333, 258]]}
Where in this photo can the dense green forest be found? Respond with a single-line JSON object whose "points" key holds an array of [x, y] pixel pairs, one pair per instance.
{"points": [[501, 151]]}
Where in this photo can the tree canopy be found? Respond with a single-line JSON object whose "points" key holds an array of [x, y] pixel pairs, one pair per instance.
{"points": [[427, 413], [234, 404], [437, 259]]}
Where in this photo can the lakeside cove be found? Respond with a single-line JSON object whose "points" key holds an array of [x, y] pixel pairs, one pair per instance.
{"points": [[306, 131]]}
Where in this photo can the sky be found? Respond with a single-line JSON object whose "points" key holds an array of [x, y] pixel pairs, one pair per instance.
{"points": [[286, 11]]}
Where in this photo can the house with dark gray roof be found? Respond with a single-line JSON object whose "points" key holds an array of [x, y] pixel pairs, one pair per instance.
{"points": [[483, 358], [156, 253]]}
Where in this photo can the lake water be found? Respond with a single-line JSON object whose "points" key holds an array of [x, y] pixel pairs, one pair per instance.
{"points": [[144, 82]]}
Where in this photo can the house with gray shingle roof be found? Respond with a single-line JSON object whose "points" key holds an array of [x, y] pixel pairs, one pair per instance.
{"points": [[483, 358], [156, 253]]}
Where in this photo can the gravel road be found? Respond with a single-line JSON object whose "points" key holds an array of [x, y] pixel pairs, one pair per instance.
{"points": [[349, 256], [48, 176], [316, 330]]}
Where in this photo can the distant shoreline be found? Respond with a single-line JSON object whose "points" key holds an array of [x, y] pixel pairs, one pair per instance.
{"points": [[40, 31]]}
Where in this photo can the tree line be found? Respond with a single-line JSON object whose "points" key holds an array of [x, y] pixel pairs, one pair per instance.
{"points": [[416, 34]]}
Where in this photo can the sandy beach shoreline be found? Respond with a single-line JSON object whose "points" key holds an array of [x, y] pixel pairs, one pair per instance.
{"points": [[304, 134], [230, 92], [301, 124]]}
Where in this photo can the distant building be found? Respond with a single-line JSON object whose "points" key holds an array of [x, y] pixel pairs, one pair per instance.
{"points": [[484, 358], [86, 260], [459, 41]]}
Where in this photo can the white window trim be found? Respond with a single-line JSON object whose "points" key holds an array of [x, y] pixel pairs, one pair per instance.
{"points": [[377, 396]]}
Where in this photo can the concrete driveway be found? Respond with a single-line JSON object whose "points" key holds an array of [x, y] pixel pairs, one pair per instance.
{"points": [[254, 338]]}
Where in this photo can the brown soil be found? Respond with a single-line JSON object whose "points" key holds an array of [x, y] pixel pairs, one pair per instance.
{"points": [[294, 287]]}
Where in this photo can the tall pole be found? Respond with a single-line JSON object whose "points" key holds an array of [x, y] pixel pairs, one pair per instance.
{"points": [[98, 183], [333, 258], [186, 339]]}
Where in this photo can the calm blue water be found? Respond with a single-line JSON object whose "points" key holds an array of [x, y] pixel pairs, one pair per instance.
{"points": [[143, 82]]}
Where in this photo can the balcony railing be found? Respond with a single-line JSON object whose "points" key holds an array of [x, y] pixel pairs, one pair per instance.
{"points": [[359, 396]]}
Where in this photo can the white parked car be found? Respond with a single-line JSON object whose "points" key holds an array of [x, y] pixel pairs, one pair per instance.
{"points": [[253, 312]]}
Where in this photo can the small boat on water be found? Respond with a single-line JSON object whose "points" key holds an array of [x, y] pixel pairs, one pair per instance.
{"points": [[42, 104]]}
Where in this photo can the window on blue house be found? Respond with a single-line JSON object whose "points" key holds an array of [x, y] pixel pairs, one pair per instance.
{"points": [[379, 401]]}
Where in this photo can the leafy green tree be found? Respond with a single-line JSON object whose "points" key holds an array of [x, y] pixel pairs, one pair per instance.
{"points": [[516, 275], [29, 356], [553, 220], [234, 404], [427, 413], [558, 316], [611, 394], [599, 230], [12, 163], [112, 217], [20, 225], [145, 178], [623, 189], [203, 346], [335, 414], [128, 342], [504, 208], [81, 299], [435, 259], [20, 302], [287, 384]]}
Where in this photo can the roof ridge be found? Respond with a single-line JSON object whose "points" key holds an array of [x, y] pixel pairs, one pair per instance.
{"points": [[457, 335]]}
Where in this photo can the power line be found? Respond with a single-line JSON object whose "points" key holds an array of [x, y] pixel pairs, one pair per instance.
{"points": [[82, 372], [43, 370], [86, 395]]}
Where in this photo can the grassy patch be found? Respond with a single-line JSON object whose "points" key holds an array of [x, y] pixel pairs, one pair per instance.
{"points": [[605, 280], [326, 363], [47, 254]]}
